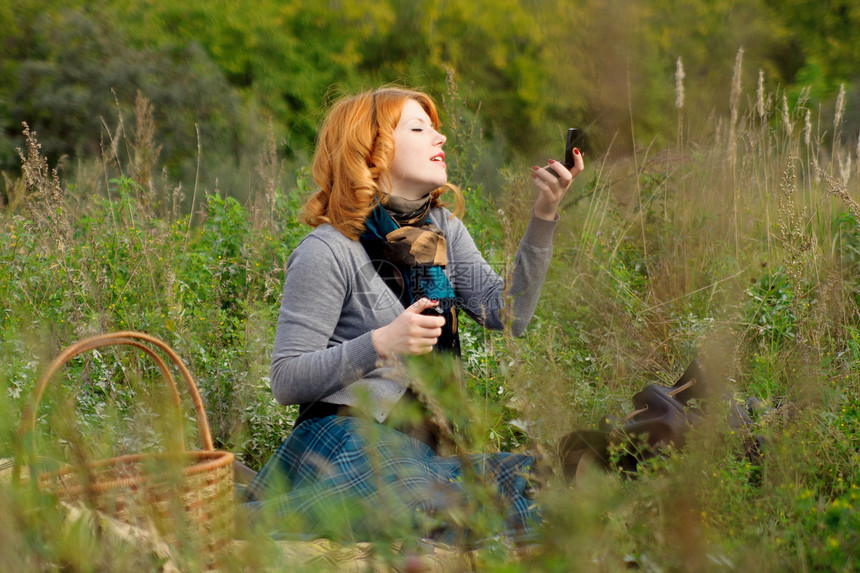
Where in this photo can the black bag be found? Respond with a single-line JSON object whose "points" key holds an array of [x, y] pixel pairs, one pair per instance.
{"points": [[662, 416], [659, 419]]}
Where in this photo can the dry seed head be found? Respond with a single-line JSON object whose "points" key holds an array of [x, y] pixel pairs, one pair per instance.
{"points": [[736, 81], [807, 128], [785, 213], [760, 95], [146, 151], [786, 117], [844, 166], [176, 198], [835, 187], [679, 84], [840, 107], [795, 240], [45, 198], [803, 96]]}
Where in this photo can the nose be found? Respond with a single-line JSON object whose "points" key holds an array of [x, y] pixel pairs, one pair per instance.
{"points": [[440, 139]]}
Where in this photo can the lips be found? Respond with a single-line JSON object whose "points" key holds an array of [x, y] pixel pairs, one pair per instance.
{"points": [[439, 158]]}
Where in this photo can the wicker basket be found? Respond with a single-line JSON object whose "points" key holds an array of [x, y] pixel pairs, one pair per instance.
{"points": [[185, 496]]}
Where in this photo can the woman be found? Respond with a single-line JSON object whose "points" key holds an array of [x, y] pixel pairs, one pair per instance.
{"points": [[380, 277]]}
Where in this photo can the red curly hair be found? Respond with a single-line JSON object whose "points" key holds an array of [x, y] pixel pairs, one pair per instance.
{"points": [[354, 150]]}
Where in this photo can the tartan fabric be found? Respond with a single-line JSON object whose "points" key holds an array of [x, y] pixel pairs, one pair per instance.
{"points": [[347, 477]]}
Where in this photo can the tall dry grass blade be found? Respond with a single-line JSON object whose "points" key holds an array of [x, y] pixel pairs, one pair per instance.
{"points": [[734, 103], [464, 130], [177, 196], [638, 183], [762, 109], [786, 117], [196, 183], [270, 169], [110, 156], [113, 153], [844, 166], [803, 97], [858, 156], [838, 116]]}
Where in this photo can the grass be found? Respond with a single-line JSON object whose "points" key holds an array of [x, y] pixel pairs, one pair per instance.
{"points": [[741, 245]]}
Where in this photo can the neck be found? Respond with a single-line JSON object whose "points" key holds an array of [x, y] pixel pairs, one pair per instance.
{"points": [[407, 211]]}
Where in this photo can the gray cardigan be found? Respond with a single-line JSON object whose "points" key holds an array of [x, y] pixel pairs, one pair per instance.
{"points": [[333, 299]]}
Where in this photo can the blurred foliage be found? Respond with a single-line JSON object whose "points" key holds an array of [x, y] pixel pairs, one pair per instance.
{"points": [[536, 66], [822, 47], [68, 71]]}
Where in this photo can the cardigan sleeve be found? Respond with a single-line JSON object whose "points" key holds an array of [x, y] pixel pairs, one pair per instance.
{"points": [[481, 291], [309, 361]]}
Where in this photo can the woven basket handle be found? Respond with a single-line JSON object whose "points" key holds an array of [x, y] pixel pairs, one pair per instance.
{"points": [[124, 338]]}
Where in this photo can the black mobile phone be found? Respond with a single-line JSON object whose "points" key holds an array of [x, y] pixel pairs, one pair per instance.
{"points": [[574, 140]]}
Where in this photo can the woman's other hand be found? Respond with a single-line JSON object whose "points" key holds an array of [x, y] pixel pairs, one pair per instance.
{"points": [[552, 188], [409, 333]]}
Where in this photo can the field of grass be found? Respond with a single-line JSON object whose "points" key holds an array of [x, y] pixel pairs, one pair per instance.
{"points": [[740, 246]]}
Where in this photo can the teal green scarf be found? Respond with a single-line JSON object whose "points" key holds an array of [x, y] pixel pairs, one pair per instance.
{"points": [[409, 252]]}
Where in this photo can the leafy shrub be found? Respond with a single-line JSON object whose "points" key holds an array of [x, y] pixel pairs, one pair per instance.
{"points": [[74, 69]]}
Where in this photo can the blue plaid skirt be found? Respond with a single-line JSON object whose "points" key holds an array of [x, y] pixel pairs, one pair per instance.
{"points": [[351, 478]]}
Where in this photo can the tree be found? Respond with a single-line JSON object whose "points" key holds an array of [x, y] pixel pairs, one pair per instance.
{"points": [[72, 67]]}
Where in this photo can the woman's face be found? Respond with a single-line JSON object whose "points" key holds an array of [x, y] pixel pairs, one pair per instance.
{"points": [[418, 166]]}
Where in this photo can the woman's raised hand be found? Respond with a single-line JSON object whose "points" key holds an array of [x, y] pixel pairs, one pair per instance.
{"points": [[552, 188], [409, 333]]}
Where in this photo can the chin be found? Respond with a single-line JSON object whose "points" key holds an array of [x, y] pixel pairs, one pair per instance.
{"points": [[436, 186]]}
